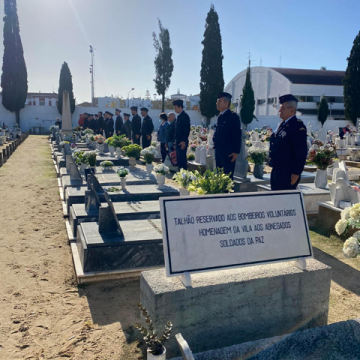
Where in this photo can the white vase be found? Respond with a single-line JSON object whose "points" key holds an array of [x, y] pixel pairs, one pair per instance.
{"points": [[111, 150], [160, 179], [132, 162], [123, 183], [184, 192], [118, 152], [149, 168], [156, 357], [321, 179], [87, 141], [100, 148]]}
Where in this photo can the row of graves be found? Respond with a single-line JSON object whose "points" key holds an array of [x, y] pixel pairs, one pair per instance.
{"points": [[227, 268]]}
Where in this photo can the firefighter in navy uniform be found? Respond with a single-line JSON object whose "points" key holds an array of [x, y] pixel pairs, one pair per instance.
{"points": [[147, 128], [288, 147], [135, 125], [227, 135], [100, 124], [109, 127], [126, 128], [118, 122]]}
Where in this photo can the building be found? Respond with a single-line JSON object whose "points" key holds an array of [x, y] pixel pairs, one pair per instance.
{"points": [[307, 85], [138, 102], [40, 99]]}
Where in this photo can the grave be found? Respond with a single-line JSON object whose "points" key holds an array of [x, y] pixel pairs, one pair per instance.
{"points": [[211, 302], [113, 246], [122, 161]]}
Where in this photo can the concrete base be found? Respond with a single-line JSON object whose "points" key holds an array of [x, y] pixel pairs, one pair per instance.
{"points": [[192, 165], [328, 216], [228, 307]]}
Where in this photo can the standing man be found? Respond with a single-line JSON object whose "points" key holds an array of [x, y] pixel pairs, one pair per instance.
{"points": [[92, 124], [100, 123], [58, 123], [182, 131], [288, 148], [126, 128], [118, 122], [109, 130], [170, 132], [106, 120], [135, 125], [86, 121], [147, 128], [227, 135]]}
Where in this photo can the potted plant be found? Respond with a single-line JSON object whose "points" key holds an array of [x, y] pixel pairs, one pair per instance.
{"points": [[107, 165], [154, 144], [322, 158], [191, 157], [184, 178], [119, 141], [132, 152], [122, 172], [211, 182], [91, 160], [258, 157], [110, 144], [161, 170], [100, 143], [149, 154], [155, 347]]}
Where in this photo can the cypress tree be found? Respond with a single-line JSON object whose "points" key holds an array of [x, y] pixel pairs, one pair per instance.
{"points": [[211, 73], [323, 111], [65, 83], [163, 62], [352, 83], [14, 75], [247, 101]]}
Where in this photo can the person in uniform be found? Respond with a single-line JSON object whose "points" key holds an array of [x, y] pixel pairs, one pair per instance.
{"points": [[109, 130], [288, 147], [58, 123], [118, 122], [100, 124], [170, 132], [92, 124], [147, 128], [227, 135], [106, 119], [182, 131], [161, 135], [135, 125], [126, 128], [86, 121]]}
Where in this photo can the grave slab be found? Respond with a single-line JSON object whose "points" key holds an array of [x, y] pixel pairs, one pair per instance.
{"points": [[328, 216], [122, 161], [228, 307], [312, 195]]}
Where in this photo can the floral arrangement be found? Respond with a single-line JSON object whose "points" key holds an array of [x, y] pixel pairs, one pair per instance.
{"points": [[322, 157], [99, 139], [77, 128], [191, 157], [330, 132], [73, 146], [198, 128], [154, 143], [192, 127], [350, 217], [91, 137], [122, 172], [132, 150], [88, 131], [257, 156], [317, 142], [90, 157], [193, 147], [53, 127], [312, 135], [63, 143], [109, 141], [266, 135], [211, 182], [184, 178], [119, 141], [79, 157], [107, 164], [161, 169], [149, 154], [68, 138], [248, 143], [203, 137]]}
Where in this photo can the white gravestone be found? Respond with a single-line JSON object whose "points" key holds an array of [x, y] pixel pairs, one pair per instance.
{"points": [[322, 135], [214, 232], [203, 152], [197, 154]]}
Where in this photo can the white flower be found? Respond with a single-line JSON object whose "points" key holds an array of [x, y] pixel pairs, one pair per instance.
{"points": [[321, 148], [345, 214], [331, 149], [351, 248], [341, 226], [357, 235], [355, 212]]}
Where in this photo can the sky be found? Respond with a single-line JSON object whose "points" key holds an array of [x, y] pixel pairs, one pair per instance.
{"points": [[302, 33]]}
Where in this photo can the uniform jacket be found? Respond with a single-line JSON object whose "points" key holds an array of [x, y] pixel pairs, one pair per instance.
{"points": [[118, 123], [227, 135], [86, 123], [93, 124], [288, 146], [126, 129], [100, 124], [136, 125], [162, 132], [182, 128], [147, 126], [109, 130], [170, 132]]}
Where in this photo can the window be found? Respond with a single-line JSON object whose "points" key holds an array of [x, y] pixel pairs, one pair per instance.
{"points": [[301, 98], [42, 101], [261, 101], [313, 99], [330, 99], [339, 99], [271, 100]]}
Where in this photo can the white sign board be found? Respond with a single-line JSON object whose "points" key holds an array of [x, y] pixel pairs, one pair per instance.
{"points": [[212, 232]]}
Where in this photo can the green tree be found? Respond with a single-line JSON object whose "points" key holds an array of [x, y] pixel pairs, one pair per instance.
{"points": [[14, 76], [65, 83], [352, 83], [247, 101], [211, 73], [323, 110], [163, 62]]}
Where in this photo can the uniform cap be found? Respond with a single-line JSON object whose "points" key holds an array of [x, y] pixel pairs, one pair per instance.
{"points": [[224, 94], [126, 114], [134, 108], [110, 114], [144, 109], [107, 112], [117, 110], [288, 97], [178, 103]]}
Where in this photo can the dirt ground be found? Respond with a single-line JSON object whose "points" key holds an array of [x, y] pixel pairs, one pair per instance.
{"points": [[45, 315]]}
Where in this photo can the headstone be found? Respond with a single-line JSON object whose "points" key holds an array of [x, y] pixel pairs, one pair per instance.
{"points": [[95, 183], [197, 154], [241, 165], [108, 221], [92, 201], [202, 154], [66, 113], [68, 160], [322, 135], [74, 171]]}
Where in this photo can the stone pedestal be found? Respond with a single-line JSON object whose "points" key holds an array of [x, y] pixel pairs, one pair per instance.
{"points": [[228, 307]]}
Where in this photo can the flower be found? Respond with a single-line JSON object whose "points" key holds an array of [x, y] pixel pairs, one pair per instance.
{"points": [[345, 214], [341, 226], [322, 148], [351, 248], [355, 212], [122, 172], [161, 169], [331, 148], [200, 191]]}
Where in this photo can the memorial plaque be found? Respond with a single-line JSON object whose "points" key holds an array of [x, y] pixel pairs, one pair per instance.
{"points": [[211, 232]]}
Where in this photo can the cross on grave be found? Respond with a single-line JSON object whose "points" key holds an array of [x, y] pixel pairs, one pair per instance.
{"points": [[108, 221], [73, 169], [92, 201]]}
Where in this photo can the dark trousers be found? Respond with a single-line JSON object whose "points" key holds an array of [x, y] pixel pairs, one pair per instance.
{"points": [[224, 161], [135, 140], [181, 157], [163, 152], [145, 142], [281, 180]]}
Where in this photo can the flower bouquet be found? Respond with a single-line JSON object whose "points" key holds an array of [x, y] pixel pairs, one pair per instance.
{"points": [[107, 165], [248, 143], [193, 147], [122, 172], [88, 131], [99, 139], [109, 141], [73, 146], [184, 178], [77, 129], [53, 128], [154, 143], [215, 182], [191, 157], [62, 144], [91, 158], [322, 157], [132, 150], [119, 141], [257, 156], [160, 171], [79, 157], [149, 154], [317, 142]]}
